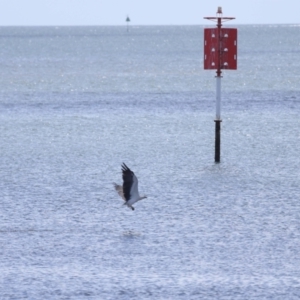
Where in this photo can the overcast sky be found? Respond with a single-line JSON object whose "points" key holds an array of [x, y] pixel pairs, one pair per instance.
{"points": [[145, 12]]}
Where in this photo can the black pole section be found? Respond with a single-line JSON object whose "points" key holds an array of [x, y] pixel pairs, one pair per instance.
{"points": [[218, 141]]}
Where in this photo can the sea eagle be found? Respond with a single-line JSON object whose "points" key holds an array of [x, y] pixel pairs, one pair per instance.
{"points": [[129, 191]]}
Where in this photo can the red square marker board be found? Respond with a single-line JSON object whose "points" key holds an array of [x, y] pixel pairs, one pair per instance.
{"points": [[228, 48]]}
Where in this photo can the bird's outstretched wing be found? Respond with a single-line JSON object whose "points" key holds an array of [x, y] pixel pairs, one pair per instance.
{"points": [[119, 190], [130, 183]]}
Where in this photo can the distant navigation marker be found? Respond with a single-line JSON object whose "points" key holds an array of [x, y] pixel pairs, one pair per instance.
{"points": [[127, 20], [220, 52]]}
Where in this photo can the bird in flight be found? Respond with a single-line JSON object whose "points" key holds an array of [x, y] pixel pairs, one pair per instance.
{"points": [[129, 191]]}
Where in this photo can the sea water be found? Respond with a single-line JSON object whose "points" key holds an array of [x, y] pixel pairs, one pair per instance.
{"points": [[76, 102]]}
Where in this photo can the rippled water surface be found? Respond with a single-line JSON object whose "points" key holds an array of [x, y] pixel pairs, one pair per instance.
{"points": [[76, 102]]}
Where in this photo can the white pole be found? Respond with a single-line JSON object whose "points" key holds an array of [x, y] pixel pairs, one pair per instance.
{"points": [[218, 102]]}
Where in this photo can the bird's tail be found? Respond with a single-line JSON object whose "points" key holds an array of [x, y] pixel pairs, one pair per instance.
{"points": [[128, 205]]}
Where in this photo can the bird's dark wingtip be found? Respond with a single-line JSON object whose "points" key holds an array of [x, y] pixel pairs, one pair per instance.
{"points": [[124, 167]]}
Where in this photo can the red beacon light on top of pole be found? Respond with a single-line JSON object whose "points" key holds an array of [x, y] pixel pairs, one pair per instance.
{"points": [[220, 52]]}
